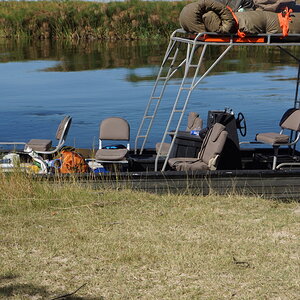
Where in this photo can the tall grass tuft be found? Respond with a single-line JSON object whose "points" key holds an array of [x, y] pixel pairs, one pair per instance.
{"points": [[129, 20], [20, 191]]}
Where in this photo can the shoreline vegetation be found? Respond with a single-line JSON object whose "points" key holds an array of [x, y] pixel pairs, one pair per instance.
{"points": [[79, 20], [58, 239]]}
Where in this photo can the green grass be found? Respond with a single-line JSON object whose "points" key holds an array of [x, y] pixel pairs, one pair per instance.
{"points": [[56, 238], [129, 20]]}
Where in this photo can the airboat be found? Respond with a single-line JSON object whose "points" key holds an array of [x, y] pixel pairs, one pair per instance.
{"points": [[211, 159]]}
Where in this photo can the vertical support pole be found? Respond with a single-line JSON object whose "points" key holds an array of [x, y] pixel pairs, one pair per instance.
{"points": [[296, 102]]}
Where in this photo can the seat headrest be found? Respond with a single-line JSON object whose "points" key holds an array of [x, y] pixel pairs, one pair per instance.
{"points": [[193, 114], [194, 121], [216, 131], [291, 119]]}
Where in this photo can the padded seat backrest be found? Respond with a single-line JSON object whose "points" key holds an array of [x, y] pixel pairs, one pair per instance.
{"points": [[63, 128], [213, 143], [291, 119], [194, 121], [114, 128]]}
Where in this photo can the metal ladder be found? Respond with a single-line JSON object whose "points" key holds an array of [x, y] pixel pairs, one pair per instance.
{"points": [[176, 44], [157, 93], [182, 100]]}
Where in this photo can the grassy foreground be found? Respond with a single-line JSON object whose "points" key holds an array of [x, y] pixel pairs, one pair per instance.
{"points": [[89, 20], [55, 239]]}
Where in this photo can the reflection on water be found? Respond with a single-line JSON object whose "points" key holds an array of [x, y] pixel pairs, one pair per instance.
{"points": [[81, 56], [41, 82], [71, 57]]}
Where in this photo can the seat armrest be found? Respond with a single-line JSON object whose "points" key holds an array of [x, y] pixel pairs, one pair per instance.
{"points": [[12, 143], [250, 142]]}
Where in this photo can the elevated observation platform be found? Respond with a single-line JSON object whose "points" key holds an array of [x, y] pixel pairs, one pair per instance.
{"points": [[193, 48]]}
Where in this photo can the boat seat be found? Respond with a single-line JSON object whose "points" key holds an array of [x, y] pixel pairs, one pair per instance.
{"points": [[113, 129], [194, 122], [209, 153], [164, 148], [272, 138], [111, 154], [44, 146], [289, 121]]}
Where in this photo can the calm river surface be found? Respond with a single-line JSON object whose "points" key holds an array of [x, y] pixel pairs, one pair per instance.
{"points": [[42, 82]]}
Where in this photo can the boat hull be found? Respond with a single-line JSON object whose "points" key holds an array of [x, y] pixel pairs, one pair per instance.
{"points": [[283, 184]]}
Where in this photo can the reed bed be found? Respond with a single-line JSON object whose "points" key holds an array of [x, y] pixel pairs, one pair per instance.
{"points": [[129, 20], [88, 243]]}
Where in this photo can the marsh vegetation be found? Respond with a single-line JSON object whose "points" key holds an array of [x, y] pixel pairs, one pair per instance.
{"points": [[79, 20]]}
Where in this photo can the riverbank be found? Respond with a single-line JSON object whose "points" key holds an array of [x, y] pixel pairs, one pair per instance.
{"points": [[129, 20], [133, 245]]}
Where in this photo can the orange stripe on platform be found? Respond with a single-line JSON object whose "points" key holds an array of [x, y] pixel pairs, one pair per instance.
{"points": [[227, 39]]}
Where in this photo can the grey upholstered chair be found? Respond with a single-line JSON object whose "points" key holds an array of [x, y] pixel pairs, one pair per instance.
{"points": [[289, 121], [194, 122], [209, 153], [113, 129], [44, 146]]}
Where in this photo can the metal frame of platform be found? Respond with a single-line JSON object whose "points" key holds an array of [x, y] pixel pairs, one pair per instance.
{"points": [[181, 41]]}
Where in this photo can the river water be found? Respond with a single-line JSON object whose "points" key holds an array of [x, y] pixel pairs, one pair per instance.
{"points": [[43, 81]]}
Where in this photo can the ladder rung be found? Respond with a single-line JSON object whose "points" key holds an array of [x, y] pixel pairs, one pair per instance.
{"points": [[148, 117], [178, 110], [141, 136], [194, 66], [163, 77], [171, 57], [171, 132], [155, 98], [184, 88]]}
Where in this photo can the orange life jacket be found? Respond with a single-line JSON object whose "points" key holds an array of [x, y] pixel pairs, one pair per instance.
{"points": [[72, 162]]}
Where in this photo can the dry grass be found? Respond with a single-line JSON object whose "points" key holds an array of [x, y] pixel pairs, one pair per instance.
{"points": [[133, 245]]}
